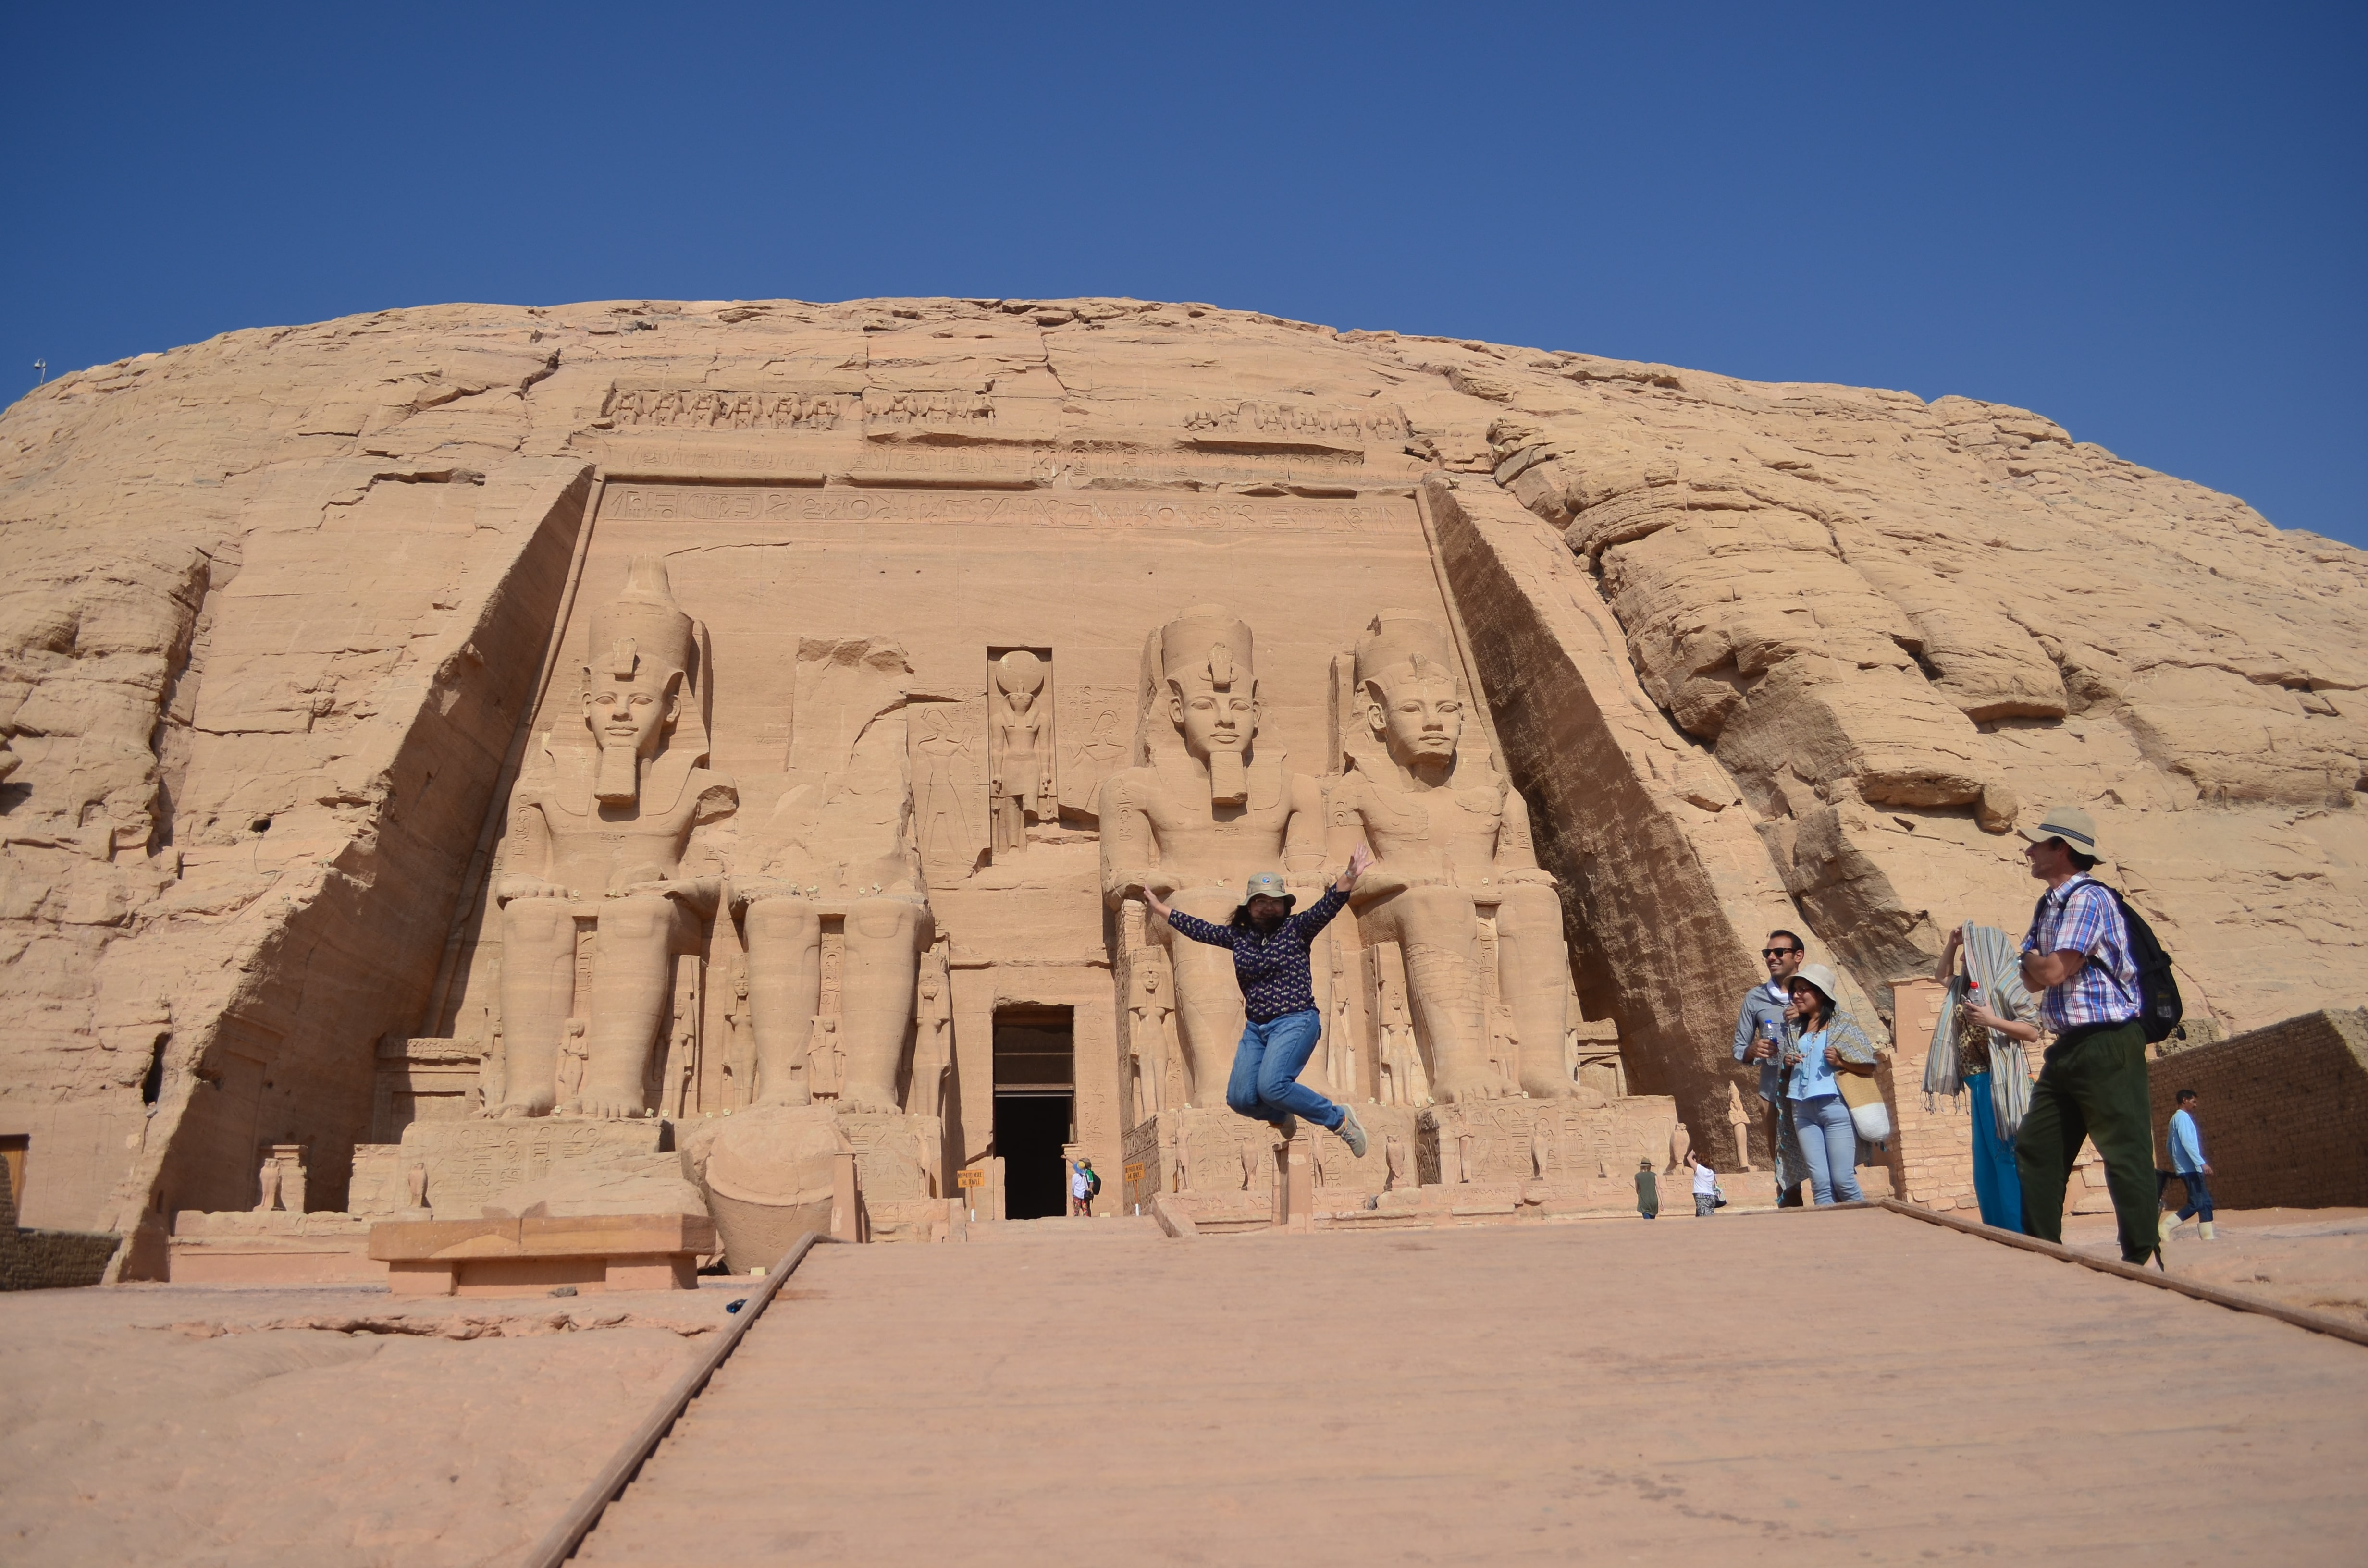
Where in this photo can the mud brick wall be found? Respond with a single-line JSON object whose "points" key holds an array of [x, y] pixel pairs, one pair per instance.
{"points": [[47, 1260], [1931, 1153], [2284, 1111], [43, 1260]]}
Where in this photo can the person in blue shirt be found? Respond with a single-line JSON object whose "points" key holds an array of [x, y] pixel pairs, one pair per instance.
{"points": [[2187, 1161], [1821, 1040], [1269, 945]]}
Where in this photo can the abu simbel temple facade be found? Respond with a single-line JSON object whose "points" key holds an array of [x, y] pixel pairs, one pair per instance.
{"points": [[710, 759]]}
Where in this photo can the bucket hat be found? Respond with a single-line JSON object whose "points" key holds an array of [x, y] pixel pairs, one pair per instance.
{"points": [[1822, 977], [1269, 885], [2070, 823]]}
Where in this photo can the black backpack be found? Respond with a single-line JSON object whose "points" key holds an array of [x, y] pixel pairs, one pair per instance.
{"points": [[2160, 1007], [1094, 1185]]}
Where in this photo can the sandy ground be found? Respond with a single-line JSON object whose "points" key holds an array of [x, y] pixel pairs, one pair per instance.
{"points": [[1776, 1388], [164, 1424], [2315, 1258]]}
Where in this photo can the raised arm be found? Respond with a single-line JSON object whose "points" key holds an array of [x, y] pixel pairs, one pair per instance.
{"points": [[1188, 926]]}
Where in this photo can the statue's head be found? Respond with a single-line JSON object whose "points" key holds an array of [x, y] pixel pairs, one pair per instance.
{"points": [[642, 648], [1206, 656], [1406, 683], [1019, 675]]}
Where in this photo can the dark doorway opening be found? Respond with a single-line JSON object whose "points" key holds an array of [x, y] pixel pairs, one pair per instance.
{"points": [[1035, 1089]]}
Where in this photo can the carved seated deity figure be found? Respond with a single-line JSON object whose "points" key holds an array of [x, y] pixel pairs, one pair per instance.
{"points": [[1199, 816], [1452, 842], [600, 836], [840, 844]]}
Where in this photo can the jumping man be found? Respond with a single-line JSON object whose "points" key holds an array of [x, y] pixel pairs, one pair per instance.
{"points": [[1269, 945]]}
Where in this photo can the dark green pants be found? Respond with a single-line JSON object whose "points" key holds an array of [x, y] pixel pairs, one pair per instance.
{"points": [[2093, 1087]]}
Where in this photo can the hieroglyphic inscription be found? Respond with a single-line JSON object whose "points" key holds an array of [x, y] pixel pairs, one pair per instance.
{"points": [[938, 408], [1377, 422], [711, 409], [1112, 509], [650, 451]]}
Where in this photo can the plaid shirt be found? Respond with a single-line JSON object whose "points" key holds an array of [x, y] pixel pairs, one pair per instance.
{"points": [[1272, 969], [2081, 917]]}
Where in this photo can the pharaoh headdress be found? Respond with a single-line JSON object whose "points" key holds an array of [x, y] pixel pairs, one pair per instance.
{"points": [[1399, 644], [1206, 647], [643, 633]]}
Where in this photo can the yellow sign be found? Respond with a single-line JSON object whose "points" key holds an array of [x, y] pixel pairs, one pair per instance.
{"points": [[1135, 1171], [970, 1178]]}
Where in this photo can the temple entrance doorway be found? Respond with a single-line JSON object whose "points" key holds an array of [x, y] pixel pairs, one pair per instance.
{"points": [[1035, 1089]]}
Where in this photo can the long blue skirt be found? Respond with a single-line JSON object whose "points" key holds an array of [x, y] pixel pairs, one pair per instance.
{"points": [[1996, 1187]]}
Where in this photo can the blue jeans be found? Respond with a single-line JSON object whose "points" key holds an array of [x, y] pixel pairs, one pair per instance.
{"points": [[1267, 1065], [2199, 1197], [1830, 1144]]}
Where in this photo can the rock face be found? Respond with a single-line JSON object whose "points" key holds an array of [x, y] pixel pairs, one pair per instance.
{"points": [[277, 607]]}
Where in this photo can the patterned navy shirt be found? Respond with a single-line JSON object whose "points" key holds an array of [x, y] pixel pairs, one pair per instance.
{"points": [[1272, 969]]}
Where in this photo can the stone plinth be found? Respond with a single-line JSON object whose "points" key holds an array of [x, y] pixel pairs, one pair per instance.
{"points": [[1218, 1166], [1579, 1155], [423, 1080], [1216, 1157], [274, 1248], [470, 1162], [525, 1257]]}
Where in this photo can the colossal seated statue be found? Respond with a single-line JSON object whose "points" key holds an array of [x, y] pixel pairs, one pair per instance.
{"points": [[1452, 842], [839, 845], [1199, 814], [598, 838]]}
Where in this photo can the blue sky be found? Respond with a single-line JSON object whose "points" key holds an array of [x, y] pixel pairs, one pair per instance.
{"points": [[2145, 221]]}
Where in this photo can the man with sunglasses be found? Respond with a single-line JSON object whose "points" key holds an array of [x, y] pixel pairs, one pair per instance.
{"points": [[1759, 1026]]}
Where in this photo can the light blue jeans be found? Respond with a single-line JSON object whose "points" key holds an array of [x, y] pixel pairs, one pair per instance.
{"points": [[1830, 1144], [1267, 1064]]}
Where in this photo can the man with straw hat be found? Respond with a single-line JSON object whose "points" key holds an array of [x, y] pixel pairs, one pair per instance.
{"points": [[2076, 958], [1269, 945]]}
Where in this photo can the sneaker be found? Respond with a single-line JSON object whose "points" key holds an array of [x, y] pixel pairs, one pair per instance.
{"points": [[2204, 1230], [1288, 1127], [1351, 1133], [2169, 1224]]}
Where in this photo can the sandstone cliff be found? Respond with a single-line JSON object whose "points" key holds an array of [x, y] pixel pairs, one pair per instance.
{"points": [[273, 605]]}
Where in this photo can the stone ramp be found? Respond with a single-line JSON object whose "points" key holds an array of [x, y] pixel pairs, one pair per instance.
{"points": [[1070, 1228], [1793, 1388]]}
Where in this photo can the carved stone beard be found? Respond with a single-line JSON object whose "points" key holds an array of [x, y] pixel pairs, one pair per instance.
{"points": [[1229, 782], [618, 780]]}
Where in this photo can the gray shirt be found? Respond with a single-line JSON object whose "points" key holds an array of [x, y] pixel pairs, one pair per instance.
{"points": [[1763, 1004]]}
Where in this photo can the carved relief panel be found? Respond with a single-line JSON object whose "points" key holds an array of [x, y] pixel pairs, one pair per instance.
{"points": [[950, 776], [1096, 724]]}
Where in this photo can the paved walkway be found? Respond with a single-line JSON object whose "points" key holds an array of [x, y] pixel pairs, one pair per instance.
{"points": [[1832, 1389]]}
